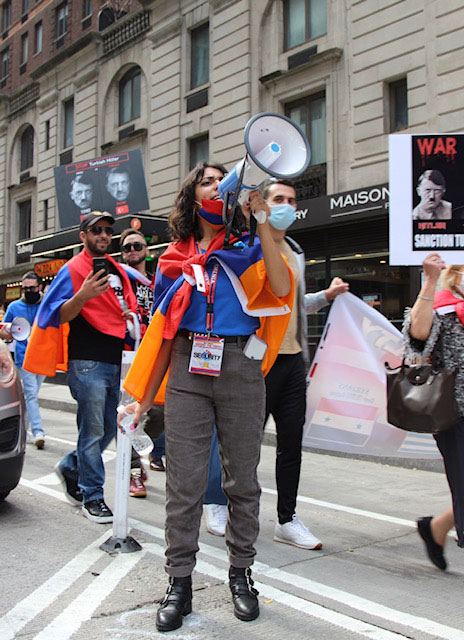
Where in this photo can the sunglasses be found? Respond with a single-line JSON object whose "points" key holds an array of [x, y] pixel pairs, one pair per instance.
{"points": [[137, 246], [96, 231], [33, 288]]}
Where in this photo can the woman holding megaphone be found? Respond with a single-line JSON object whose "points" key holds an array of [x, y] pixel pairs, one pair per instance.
{"points": [[220, 316], [20, 314]]}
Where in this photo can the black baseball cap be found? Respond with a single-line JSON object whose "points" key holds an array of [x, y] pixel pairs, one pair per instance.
{"points": [[93, 217]]}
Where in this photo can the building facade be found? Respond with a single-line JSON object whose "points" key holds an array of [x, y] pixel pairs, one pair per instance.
{"points": [[179, 80]]}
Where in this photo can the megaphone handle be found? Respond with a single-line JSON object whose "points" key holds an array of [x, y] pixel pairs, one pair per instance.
{"points": [[253, 226]]}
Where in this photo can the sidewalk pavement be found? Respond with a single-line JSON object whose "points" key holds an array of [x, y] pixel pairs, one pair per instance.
{"points": [[54, 394]]}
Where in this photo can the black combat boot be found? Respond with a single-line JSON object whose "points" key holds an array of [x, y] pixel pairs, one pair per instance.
{"points": [[244, 596], [176, 603]]}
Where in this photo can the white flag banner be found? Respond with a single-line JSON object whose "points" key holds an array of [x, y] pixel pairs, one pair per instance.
{"points": [[346, 397]]}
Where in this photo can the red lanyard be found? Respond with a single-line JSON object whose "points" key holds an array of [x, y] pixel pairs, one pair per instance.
{"points": [[210, 291]]}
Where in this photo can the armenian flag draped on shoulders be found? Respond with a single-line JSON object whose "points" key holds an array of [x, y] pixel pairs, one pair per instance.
{"points": [[246, 271], [47, 350]]}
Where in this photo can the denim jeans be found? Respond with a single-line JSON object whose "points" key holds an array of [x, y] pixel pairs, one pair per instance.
{"points": [[31, 386], [95, 387]]}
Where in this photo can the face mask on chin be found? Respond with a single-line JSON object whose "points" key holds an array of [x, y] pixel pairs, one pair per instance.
{"points": [[32, 297], [211, 212], [282, 216]]}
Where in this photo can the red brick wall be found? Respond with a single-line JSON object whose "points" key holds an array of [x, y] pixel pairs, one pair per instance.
{"points": [[45, 11]]}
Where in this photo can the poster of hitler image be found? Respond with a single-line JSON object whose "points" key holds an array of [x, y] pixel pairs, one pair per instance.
{"points": [[346, 402], [426, 197], [114, 183]]}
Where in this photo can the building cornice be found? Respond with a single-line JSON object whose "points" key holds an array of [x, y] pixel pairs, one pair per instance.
{"points": [[317, 59], [165, 31], [220, 5], [44, 101]]}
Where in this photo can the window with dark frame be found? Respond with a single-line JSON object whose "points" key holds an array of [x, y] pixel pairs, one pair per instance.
{"points": [[129, 95], [26, 4], [61, 20], [68, 123], [46, 221], [5, 63], [199, 58], [6, 15], [27, 149], [24, 222], [24, 49], [38, 37], [198, 150], [47, 135], [310, 114], [86, 8], [398, 105], [303, 21]]}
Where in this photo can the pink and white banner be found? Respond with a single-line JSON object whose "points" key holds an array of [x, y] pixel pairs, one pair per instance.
{"points": [[346, 398]]}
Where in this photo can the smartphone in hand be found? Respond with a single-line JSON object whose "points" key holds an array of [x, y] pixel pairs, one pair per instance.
{"points": [[99, 264]]}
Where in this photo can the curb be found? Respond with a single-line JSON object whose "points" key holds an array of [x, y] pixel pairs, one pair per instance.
{"points": [[57, 405], [270, 439]]}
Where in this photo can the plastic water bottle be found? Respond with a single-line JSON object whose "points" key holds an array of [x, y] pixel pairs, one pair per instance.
{"points": [[139, 440]]}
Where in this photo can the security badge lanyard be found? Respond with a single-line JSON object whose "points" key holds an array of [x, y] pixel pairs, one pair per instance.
{"points": [[207, 350]]}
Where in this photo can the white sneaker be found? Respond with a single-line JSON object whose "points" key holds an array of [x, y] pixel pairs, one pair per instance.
{"points": [[216, 518], [39, 440], [297, 534]]}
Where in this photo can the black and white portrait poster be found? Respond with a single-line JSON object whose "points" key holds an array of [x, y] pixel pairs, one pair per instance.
{"points": [[426, 197], [114, 183]]}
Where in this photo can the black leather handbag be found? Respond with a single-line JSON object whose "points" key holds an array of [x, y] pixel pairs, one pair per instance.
{"points": [[421, 398]]}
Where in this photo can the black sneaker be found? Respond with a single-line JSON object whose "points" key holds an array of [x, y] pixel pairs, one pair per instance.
{"points": [[70, 487], [97, 511]]}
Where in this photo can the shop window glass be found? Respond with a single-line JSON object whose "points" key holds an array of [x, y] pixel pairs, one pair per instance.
{"points": [[199, 56], [129, 95], [304, 20]]}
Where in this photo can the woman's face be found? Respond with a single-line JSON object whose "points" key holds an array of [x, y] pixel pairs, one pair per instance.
{"points": [[206, 188]]}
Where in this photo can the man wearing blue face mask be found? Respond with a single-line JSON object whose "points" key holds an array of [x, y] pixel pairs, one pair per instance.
{"points": [[27, 307], [286, 381]]}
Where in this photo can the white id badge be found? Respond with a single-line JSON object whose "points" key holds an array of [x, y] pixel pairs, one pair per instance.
{"points": [[206, 355], [255, 348]]}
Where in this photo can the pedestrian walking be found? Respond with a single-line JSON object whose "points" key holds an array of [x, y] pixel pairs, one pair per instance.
{"points": [[27, 307]]}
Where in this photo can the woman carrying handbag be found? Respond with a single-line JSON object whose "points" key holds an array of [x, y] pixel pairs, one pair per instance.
{"points": [[435, 326]]}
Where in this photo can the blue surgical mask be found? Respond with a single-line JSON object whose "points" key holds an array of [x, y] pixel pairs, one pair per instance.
{"points": [[282, 216]]}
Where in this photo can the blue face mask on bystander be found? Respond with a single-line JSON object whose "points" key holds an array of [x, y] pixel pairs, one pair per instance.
{"points": [[282, 216]]}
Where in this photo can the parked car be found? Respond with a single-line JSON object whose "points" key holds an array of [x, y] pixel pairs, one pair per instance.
{"points": [[12, 424]]}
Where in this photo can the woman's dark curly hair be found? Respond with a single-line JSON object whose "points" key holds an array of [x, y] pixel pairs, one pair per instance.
{"points": [[183, 222]]}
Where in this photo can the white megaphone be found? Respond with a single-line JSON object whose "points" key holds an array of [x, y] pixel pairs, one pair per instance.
{"points": [[275, 146], [20, 328]]}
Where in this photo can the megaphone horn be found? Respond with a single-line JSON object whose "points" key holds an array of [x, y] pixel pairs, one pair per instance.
{"points": [[275, 146], [20, 328]]}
